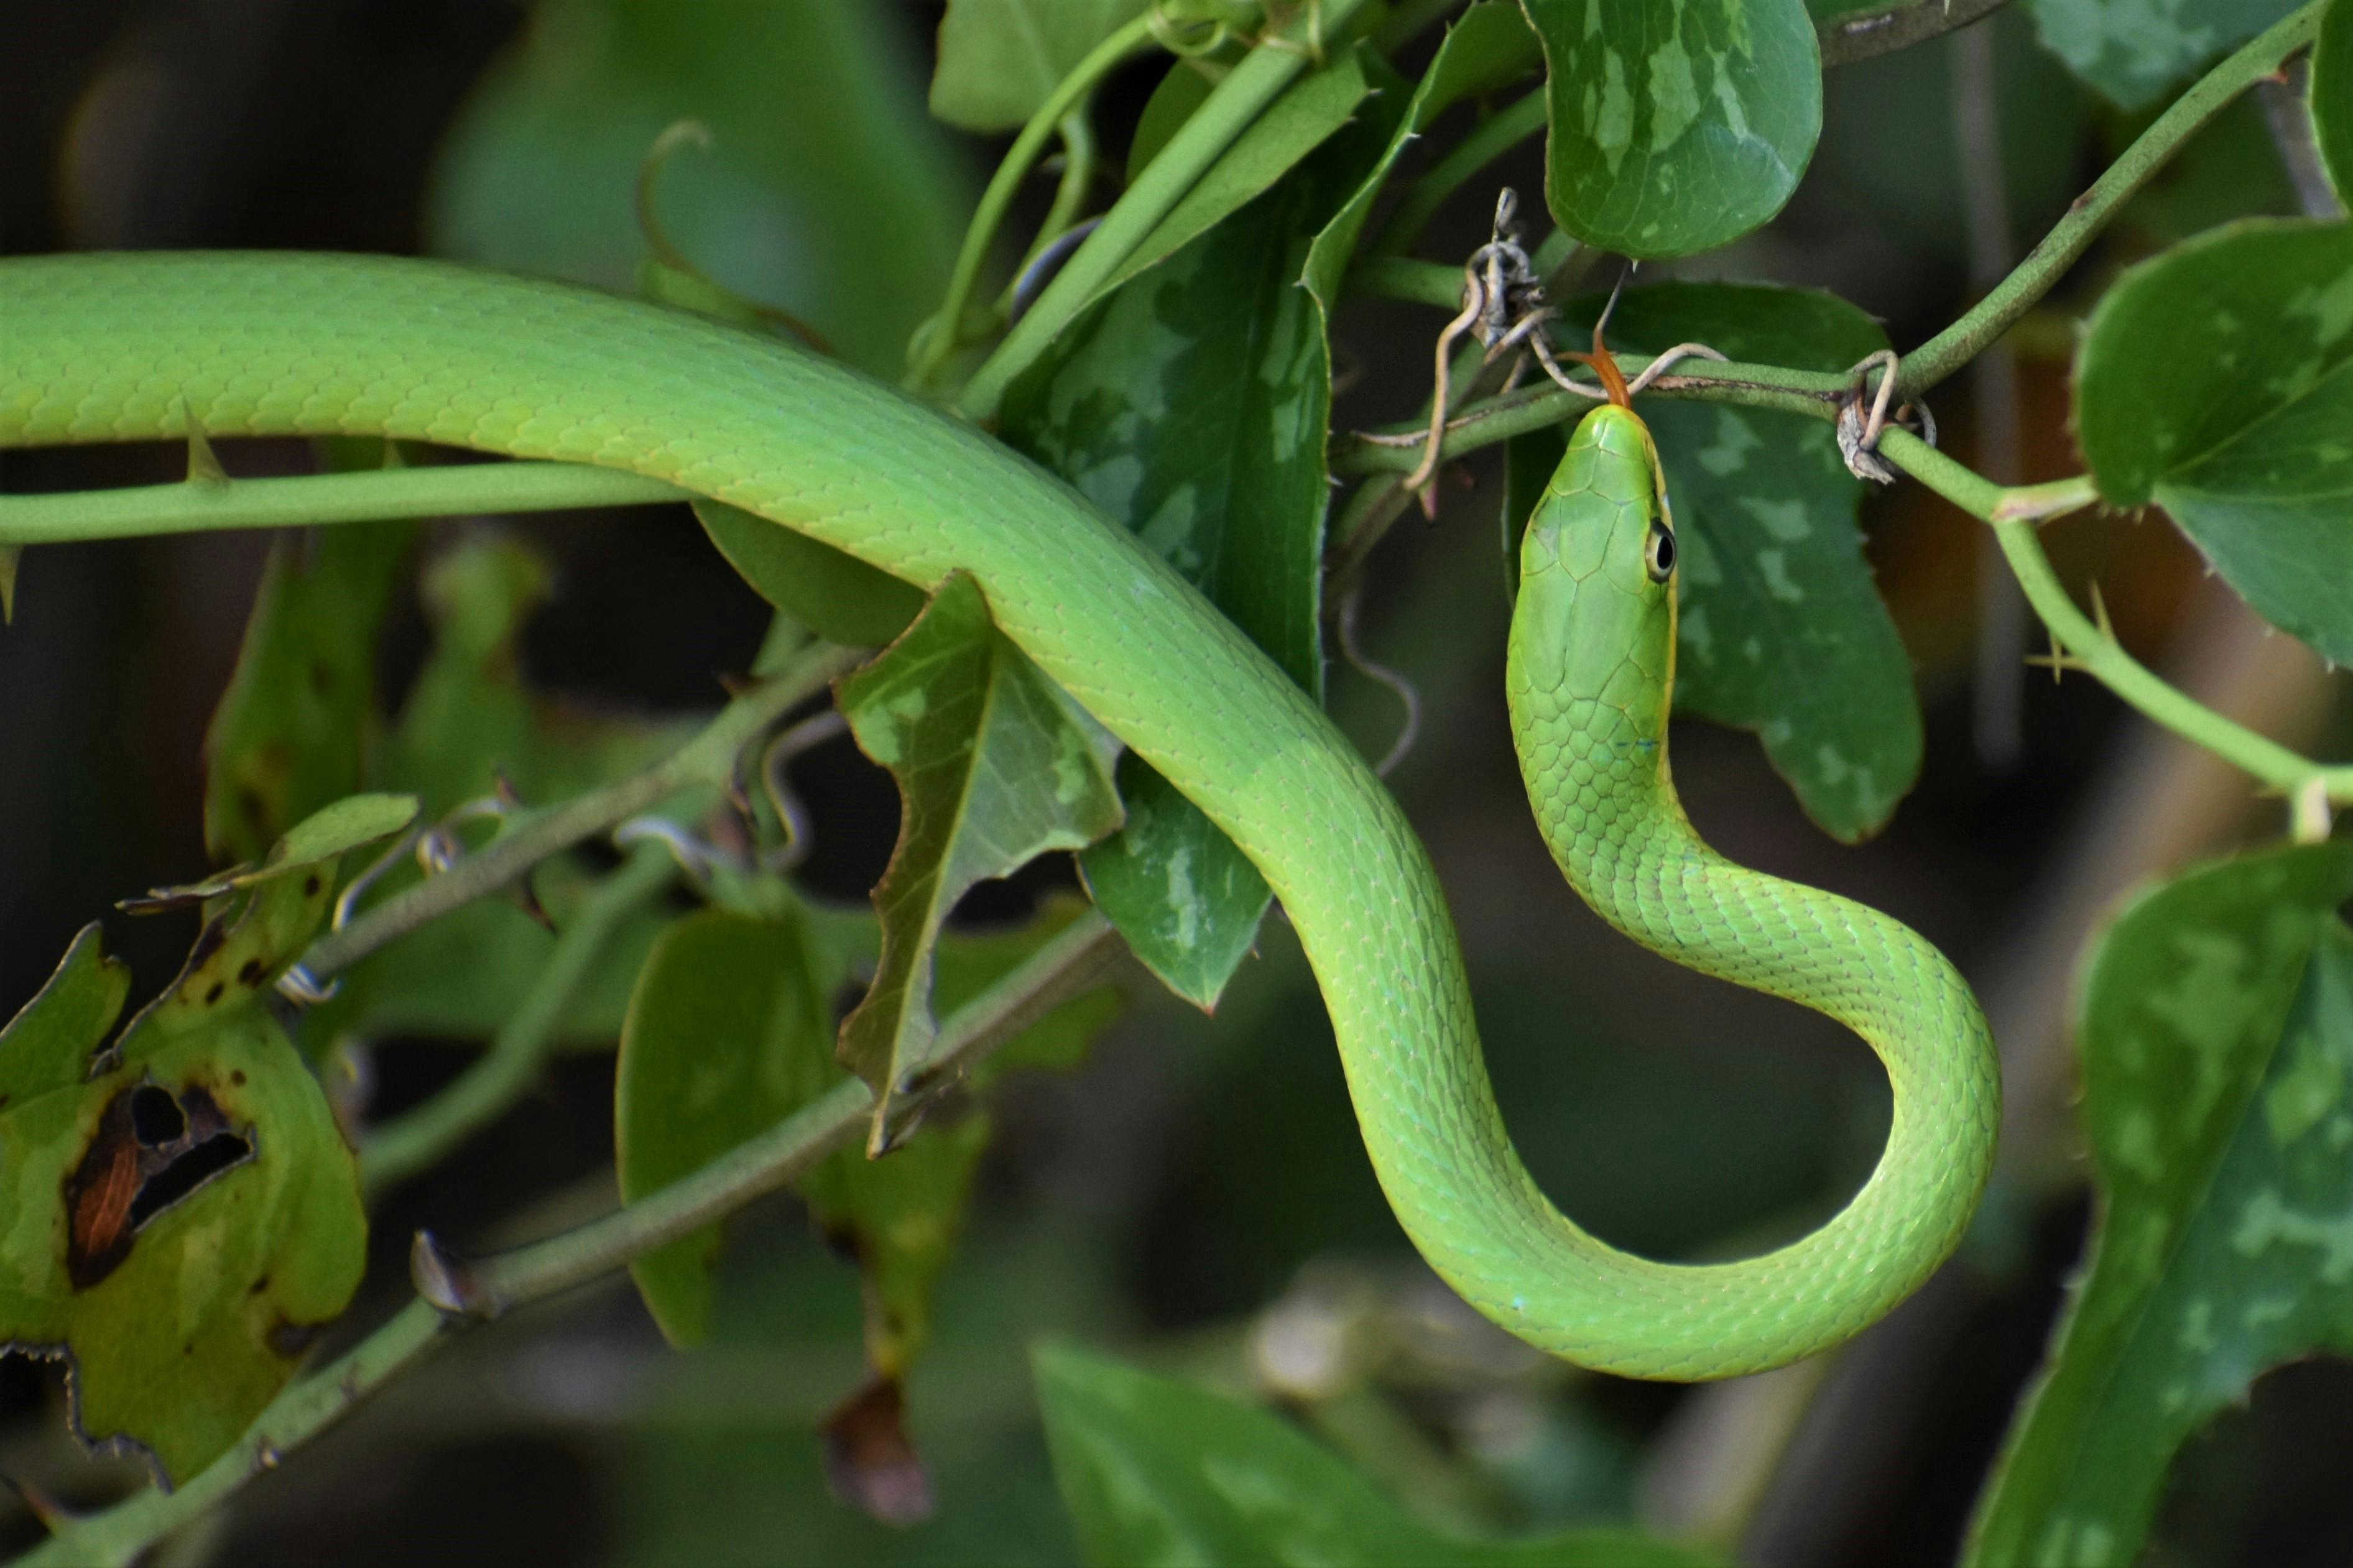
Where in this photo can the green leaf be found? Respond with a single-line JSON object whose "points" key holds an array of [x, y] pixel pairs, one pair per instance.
{"points": [[1155, 1471], [833, 593], [2217, 382], [1676, 125], [2330, 93], [184, 1212], [729, 1031], [2133, 51], [469, 722], [1001, 59], [291, 729], [1193, 407], [1314, 107], [1780, 629], [1488, 48], [2217, 1039], [826, 191], [996, 766]]}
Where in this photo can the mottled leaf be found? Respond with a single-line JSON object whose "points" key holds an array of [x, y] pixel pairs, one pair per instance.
{"points": [[1316, 106], [2330, 92], [825, 189], [293, 727], [833, 593], [1780, 629], [999, 60], [1193, 407], [2217, 1039], [1153, 1470], [996, 766], [1676, 125], [1489, 47], [2217, 382], [185, 1213], [2133, 51]]}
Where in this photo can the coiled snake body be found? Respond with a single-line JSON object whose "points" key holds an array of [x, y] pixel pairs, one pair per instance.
{"points": [[151, 346]]}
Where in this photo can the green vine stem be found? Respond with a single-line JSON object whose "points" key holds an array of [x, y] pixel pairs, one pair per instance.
{"points": [[1229, 109], [374, 495], [708, 759], [942, 335], [1076, 958], [418, 1140], [2032, 279]]}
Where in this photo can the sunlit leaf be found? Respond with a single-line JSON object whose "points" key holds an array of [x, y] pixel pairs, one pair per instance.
{"points": [[1153, 1470], [1780, 629], [2217, 1040], [2217, 382], [1676, 125], [996, 766]]}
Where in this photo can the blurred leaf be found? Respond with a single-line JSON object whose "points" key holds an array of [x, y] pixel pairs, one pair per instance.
{"points": [[2249, 453], [827, 191], [468, 722], [1780, 629], [999, 60], [293, 727], [1489, 47], [184, 1212], [2229, 169], [2330, 93], [996, 766], [1193, 407], [1157, 1471], [2133, 51], [1318, 104], [2215, 1095], [729, 1031], [1676, 125], [1182, 90], [833, 593]]}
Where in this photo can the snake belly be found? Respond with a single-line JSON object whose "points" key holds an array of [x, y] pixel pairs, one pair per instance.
{"points": [[156, 346]]}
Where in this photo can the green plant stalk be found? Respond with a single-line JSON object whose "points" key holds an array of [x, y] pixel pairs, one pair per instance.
{"points": [[1488, 140], [708, 759], [1070, 193], [375, 495], [1239, 99], [420, 1140], [2092, 648], [942, 334], [1076, 958], [2032, 279], [1866, 34]]}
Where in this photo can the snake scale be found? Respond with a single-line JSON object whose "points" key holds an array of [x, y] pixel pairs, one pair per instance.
{"points": [[135, 347]]}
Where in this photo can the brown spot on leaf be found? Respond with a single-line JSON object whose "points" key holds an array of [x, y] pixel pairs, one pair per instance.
{"points": [[310, 886], [868, 1462], [291, 1340], [150, 1150], [212, 992], [251, 970]]}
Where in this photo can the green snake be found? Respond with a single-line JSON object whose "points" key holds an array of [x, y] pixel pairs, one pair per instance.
{"points": [[132, 347]]}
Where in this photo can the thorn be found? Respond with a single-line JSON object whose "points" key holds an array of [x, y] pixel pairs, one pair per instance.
{"points": [[445, 1281], [2100, 614], [54, 1515], [2309, 819], [204, 465], [394, 457]]}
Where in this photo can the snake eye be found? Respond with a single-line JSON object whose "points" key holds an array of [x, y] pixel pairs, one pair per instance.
{"points": [[1659, 552]]}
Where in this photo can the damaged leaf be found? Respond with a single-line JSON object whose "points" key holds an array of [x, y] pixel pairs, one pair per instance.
{"points": [[996, 766]]}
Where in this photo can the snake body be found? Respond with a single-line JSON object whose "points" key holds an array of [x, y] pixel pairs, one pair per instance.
{"points": [[151, 346]]}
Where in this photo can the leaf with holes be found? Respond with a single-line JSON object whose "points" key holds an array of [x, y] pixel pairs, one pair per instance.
{"points": [[1153, 1470], [996, 766], [1675, 125], [1780, 629], [2217, 382], [2217, 1038], [185, 1212]]}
